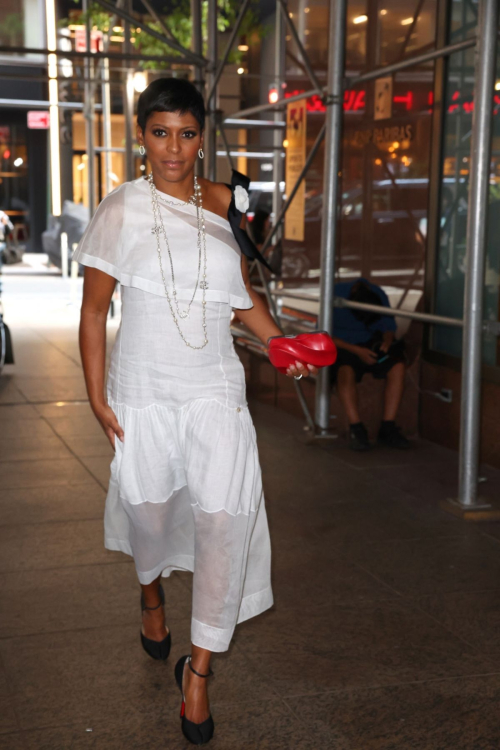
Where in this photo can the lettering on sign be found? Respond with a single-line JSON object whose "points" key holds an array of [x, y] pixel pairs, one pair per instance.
{"points": [[38, 119], [383, 136]]}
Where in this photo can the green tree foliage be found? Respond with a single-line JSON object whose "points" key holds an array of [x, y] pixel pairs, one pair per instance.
{"points": [[179, 22], [11, 29]]}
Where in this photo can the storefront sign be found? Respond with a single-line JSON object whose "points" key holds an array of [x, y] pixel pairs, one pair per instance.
{"points": [[296, 120], [383, 137], [383, 98], [355, 100], [81, 40], [38, 119]]}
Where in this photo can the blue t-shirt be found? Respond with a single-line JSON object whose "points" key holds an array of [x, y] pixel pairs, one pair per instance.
{"points": [[347, 327]]}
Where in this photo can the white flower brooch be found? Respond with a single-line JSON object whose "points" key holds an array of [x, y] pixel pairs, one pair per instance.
{"points": [[241, 198]]}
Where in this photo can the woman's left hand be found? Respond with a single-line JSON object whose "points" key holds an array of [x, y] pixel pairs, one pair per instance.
{"points": [[294, 371]]}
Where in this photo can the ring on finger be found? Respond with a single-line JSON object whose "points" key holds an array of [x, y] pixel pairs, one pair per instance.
{"points": [[298, 377]]}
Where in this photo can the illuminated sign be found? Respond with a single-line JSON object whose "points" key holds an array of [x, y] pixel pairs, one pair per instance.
{"points": [[355, 101], [38, 120]]}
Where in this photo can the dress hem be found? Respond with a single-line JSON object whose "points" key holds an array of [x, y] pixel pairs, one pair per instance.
{"points": [[250, 606], [219, 639]]}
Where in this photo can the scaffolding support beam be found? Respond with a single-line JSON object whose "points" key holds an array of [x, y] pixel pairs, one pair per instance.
{"points": [[197, 42], [482, 122], [234, 33], [72, 54], [162, 25], [211, 101], [411, 62], [276, 105], [128, 101], [127, 16], [329, 225], [89, 114], [279, 80], [291, 196], [305, 58]]}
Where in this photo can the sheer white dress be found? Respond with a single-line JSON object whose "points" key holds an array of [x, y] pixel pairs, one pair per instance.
{"points": [[185, 490]]}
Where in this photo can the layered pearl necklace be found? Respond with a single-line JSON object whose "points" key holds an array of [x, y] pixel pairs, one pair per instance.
{"points": [[159, 229]]}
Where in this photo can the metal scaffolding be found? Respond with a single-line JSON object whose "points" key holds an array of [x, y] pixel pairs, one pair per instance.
{"points": [[207, 72]]}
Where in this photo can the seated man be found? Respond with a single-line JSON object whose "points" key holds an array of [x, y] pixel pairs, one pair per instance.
{"points": [[365, 342]]}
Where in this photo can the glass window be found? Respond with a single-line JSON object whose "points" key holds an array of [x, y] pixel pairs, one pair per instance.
{"points": [[385, 154], [405, 26], [14, 167], [451, 254]]}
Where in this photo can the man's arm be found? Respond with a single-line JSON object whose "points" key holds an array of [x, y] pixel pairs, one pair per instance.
{"points": [[366, 355]]}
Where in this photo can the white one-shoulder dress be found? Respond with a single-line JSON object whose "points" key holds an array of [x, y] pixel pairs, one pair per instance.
{"points": [[185, 489]]}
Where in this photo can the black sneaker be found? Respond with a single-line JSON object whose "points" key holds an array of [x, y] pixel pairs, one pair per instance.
{"points": [[358, 437], [390, 436]]}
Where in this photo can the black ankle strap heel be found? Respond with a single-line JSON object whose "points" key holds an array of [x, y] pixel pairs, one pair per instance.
{"points": [[197, 734], [156, 649]]}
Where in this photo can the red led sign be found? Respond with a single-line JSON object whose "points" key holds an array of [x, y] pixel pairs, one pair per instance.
{"points": [[354, 100]]}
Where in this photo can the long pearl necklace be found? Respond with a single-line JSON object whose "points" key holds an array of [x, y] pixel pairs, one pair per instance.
{"points": [[158, 229]]}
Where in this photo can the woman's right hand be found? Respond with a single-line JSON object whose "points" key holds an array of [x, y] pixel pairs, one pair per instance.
{"points": [[109, 423], [366, 355]]}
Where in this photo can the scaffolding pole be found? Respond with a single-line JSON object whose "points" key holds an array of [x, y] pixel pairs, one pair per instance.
{"points": [[128, 98], [89, 112], [482, 121], [106, 119], [197, 42], [211, 129], [279, 80], [329, 225]]}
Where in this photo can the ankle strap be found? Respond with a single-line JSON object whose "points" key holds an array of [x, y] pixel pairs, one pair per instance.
{"points": [[162, 599], [152, 608], [210, 673]]}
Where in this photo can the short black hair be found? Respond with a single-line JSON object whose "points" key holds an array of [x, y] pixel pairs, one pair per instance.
{"points": [[170, 95]]}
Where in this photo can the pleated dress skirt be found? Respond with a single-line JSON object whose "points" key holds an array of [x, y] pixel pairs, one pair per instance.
{"points": [[185, 490]]}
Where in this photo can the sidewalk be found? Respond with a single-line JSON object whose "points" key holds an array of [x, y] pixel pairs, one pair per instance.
{"points": [[384, 634]]}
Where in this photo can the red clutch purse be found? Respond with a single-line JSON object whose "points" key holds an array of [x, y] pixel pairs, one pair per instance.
{"points": [[315, 348]]}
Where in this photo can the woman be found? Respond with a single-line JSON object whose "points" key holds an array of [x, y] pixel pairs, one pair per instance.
{"points": [[185, 488]]}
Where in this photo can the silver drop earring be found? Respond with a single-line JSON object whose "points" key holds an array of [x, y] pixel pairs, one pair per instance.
{"points": [[142, 150], [201, 154]]}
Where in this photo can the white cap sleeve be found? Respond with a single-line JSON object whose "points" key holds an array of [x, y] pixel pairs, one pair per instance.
{"points": [[101, 244]]}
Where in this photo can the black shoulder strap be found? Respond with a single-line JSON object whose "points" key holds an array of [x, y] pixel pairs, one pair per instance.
{"points": [[247, 247]]}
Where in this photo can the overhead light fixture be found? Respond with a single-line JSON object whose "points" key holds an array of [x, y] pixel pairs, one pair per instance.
{"points": [[285, 143], [140, 81], [406, 21], [243, 47], [306, 10], [360, 19], [117, 28], [383, 12], [497, 86], [240, 71], [18, 161]]}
